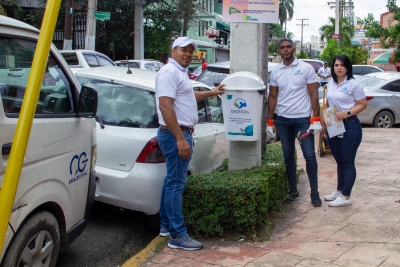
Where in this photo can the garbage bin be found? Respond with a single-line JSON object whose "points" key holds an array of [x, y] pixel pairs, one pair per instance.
{"points": [[242, 106]]}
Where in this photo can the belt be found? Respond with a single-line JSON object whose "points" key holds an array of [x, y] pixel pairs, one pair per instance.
{"points": [[183, 128]]}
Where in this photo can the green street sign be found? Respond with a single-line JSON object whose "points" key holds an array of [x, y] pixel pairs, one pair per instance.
{"points": [[102, 15]]}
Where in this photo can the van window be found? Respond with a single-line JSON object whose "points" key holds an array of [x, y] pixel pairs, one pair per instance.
{"points": [[124, 105], [16, 58], [104, 61]]}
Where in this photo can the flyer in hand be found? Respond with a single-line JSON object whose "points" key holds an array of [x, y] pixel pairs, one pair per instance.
{"points": [[334, 125]]}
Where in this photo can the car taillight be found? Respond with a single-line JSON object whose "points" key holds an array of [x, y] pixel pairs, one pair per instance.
{"points": [[151, 153], [369, 98]]}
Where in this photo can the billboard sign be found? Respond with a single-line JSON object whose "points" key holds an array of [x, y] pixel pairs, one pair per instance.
{"points": [[263, 11]]}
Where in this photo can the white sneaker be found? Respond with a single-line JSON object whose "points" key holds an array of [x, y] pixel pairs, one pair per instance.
{"points": [[340, 201], [332, 196]]}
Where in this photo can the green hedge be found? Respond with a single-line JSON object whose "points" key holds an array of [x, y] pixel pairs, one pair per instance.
{"points": [[239, 200]]}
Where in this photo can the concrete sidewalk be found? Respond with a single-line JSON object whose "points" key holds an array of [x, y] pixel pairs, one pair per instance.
{"points": [[364, 234]]}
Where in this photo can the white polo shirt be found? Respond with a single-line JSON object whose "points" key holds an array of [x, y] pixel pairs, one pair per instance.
{"points": [[293, 98], [324, 72], [173, 81], [344, 95]]}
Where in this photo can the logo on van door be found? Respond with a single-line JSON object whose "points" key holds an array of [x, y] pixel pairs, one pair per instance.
{"points": [[77, 167]]}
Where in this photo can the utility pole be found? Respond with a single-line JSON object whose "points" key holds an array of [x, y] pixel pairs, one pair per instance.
{"points": [[69, 24], [90, 37], [139, 32], [310, 50], [302, 25]]}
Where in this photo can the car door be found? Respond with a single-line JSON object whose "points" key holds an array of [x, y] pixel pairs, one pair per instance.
{"points": [[204, 140], [393, 95], [221, 146]]}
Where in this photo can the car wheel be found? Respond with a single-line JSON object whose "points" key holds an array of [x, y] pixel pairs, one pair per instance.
{"points": [[36, 243], [384, 119], [154, 223]]}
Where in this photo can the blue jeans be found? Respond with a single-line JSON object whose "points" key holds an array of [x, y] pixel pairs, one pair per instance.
{"points": [[288, 129], [344, 151], [174, 183]]}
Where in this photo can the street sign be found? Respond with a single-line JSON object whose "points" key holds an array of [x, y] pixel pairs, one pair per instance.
{"points": [[102, 15]]}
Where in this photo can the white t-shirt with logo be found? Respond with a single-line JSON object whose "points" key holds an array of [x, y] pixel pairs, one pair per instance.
{"points": [[173, 81], [344, 95], [293, 97], [324, 72]]}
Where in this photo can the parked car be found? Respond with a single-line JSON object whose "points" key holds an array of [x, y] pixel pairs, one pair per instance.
{"points": [[216, 73], [130, 165], [196, 73], [85, 59], [57, 183], [383, 95], [360, 70], [144, 64], [316, 64]]}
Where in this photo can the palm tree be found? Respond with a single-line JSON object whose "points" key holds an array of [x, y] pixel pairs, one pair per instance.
{"points": [[346, 31], [285, 11]]}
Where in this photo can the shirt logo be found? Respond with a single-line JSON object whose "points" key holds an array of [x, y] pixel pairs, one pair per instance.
{"points": [[344, 90], [298, 72]]}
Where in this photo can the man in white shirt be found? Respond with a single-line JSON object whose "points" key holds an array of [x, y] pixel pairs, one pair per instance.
{"points": [[293, 93], [325, 74], [177, 115]]}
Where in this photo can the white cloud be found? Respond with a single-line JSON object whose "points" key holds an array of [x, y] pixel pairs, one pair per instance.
{"points": [[318, 12]]}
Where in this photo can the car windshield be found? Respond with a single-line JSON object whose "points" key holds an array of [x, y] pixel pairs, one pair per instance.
{"points": [[211, 78], [123, 105], [368, 81]]}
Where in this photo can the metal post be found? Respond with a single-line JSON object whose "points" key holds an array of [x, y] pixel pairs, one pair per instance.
{"points": [[22, 132], [139, 33], [337, 17], [90, 37]]}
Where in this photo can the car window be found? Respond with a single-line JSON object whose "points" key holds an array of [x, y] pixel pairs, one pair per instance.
{"points": [[212, 78], [91, 60], [15, 65], [215, 109], [160, 65], [103, 61], [147, 66], [71, 58], [357, 70], [154, 66], [395, 86], [368, 82], [370, 70], [201, 108], [124, 105], [135, 65]]}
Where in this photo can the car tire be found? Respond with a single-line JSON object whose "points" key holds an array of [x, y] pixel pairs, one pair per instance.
{"points": [[384, 119], [36, 243], [154, 223]]}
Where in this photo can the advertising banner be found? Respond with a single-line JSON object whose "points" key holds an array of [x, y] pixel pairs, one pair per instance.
{"points": [[262, 11]]}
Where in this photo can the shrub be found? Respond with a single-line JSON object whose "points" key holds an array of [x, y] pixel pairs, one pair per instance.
{"points": [[237, 200]]}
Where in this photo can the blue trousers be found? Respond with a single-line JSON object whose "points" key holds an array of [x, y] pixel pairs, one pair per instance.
{"points": [[344, 151], [288, 128], [174, 183]]}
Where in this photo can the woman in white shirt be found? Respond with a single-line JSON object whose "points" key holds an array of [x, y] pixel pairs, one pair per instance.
{"points": [[349, 97]]}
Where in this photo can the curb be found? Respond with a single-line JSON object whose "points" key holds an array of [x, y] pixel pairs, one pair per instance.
{"points": [[144, 254]]}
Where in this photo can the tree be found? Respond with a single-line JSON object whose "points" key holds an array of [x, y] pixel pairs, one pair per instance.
{"points": [[355, 53], [16, 9], [302, 54], [285, 11], [346, 31], [373, 27]]}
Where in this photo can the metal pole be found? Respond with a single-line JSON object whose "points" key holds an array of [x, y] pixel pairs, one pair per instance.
{"points": [[337, 17], [139, 33], [90, 37], [22, 132]]}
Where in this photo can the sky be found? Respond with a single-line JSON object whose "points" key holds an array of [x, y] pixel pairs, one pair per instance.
{"points": [[318, 12]]}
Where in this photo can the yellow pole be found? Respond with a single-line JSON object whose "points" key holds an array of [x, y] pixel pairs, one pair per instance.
{"points": [[21, 136]]}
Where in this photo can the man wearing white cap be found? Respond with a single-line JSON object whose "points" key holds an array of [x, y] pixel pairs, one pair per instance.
{"points": [[325, 74], [177, 115]]}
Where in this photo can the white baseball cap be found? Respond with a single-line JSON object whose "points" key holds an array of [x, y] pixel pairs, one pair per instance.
{"points": [[183, 42]]}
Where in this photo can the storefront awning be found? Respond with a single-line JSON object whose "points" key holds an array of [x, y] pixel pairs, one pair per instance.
{"points": [[223, 27]]}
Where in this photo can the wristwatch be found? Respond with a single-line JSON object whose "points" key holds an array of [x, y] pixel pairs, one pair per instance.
{"points": [[348, 113]]}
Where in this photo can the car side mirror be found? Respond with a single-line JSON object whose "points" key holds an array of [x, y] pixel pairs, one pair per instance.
{"points": [[88, 100]]}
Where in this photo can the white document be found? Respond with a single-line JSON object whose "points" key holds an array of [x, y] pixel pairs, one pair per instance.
{"points": [[334, 125]]}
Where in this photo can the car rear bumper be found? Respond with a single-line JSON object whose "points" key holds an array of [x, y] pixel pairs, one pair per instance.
{"points": [[139, 189]]}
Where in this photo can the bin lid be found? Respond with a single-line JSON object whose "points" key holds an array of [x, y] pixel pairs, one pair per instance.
{"points": [[243, 81]]}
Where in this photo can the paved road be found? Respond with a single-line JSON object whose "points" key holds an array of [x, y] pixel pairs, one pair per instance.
{"points": [[111, 237]]}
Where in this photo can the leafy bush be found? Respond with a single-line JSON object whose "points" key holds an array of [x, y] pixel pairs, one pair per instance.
{"points": [[237, 200]]}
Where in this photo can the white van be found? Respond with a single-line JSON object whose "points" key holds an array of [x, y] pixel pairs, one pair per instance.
{"points": [[57, 183]]}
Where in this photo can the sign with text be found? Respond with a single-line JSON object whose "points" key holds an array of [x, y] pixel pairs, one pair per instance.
{"points": [[262, 11], [102, 15]]}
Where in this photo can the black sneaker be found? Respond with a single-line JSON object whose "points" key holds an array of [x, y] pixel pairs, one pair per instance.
{"points": [[292, 197], [315, 200]]}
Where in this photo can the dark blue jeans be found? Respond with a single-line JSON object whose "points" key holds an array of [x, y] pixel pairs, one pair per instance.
{"points": [[174, 183], [288, 129], [344, 151]]}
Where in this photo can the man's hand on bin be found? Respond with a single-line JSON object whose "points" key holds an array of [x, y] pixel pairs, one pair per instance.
{"points": [[218, 90], [315, 125], [270, 129]]}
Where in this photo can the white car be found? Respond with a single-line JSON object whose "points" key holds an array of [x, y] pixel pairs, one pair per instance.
{"points": [[130, 165], [81, 59], [144, 64]]}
